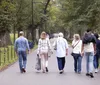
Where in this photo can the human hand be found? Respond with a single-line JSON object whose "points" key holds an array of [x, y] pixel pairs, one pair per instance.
{"points": [[94, 52], [51, 52], [16, 53], [37, 54], [66, 53], [82, 54], [28, 52]]}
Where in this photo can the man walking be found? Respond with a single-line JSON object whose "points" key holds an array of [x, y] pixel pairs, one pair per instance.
{"points": [[88, 50], [97, 55], [22, 47], [61, 46]]}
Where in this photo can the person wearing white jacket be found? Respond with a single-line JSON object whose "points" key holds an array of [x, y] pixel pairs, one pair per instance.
{"points": [[61, 47], [44, 47]]}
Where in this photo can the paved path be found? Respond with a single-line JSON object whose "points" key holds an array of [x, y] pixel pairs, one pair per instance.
{"points": [[11, 76]]}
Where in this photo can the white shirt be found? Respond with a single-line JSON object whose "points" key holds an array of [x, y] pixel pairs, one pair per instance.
{"points": [[62, 45], [88, 47], [78, 46], [44, 45]]}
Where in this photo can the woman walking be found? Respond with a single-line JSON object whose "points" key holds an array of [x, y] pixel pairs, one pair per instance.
{"points": [[77, 46], [43, 48]]}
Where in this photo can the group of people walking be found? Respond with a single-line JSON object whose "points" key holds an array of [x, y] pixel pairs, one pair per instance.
{"points": [[88, 46]]}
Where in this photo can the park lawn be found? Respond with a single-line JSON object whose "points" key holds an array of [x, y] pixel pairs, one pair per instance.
{"points": [[12, 37]]}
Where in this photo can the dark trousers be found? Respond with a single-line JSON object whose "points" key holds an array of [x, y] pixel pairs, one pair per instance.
{"points": [[96, 60], [61, 63], [77, 62]]}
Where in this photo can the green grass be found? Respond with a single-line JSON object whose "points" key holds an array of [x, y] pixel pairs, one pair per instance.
{"points": [[7, 56], [12, 37]]}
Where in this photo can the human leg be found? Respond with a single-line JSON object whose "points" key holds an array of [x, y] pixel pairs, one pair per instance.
{"points": [[79, 64], [20, 60]]}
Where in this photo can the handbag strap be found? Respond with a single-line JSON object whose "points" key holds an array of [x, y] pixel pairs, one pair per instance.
{"points": [[76, 44]]}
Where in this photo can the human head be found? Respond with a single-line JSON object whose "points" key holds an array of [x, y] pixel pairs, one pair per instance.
{"points": [[61, 34], [96, 35], [43, 35], [21, 33], [88, 30], [76, 36]]}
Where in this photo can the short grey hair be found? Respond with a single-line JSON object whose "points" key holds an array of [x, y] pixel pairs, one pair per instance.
{"points": [[61, 34]]}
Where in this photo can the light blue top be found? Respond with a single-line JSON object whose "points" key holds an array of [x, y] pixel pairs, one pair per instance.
{"points": [[21, 44]]}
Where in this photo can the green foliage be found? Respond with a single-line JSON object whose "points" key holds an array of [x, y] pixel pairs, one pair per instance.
{"points": [[68, 15], [78, 15], [6, 10]]}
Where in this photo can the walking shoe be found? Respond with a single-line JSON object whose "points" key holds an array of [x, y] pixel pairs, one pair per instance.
{"points": [[96, 70], [87, 74], [61, 72], [91, 75], [23, 70], [79, 72], [46, 69]]}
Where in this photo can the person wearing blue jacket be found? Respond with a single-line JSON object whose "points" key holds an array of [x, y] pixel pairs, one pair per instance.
{"points": [[21, 48]]}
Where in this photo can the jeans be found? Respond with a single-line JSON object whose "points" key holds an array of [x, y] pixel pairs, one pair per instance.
{"points": [[61, 63], [22, 59], [77, 62], [89, 61], [96, 61]]}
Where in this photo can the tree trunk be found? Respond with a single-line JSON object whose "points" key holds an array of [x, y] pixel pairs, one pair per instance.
{"points": [[5, 39]]}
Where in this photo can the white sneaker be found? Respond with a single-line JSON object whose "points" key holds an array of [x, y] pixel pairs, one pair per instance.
{"points": [[96, 70]]}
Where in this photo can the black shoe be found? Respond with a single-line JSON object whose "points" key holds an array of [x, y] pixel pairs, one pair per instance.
{"points": [[47, 69], [23, 70], [61, 72], [75, 71], [87, 74], [91, 75]]}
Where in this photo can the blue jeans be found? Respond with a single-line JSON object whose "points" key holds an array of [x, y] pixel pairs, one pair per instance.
{"points": [[89, 61], [61, 63], [96, 61], [22, 59], [77, 62]]}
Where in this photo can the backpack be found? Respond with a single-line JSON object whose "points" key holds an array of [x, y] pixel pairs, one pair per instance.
{"points": [[88, 38]]}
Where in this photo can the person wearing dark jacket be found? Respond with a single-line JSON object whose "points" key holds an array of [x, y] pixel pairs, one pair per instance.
{"points": [[97, 55], [89, 50]]}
